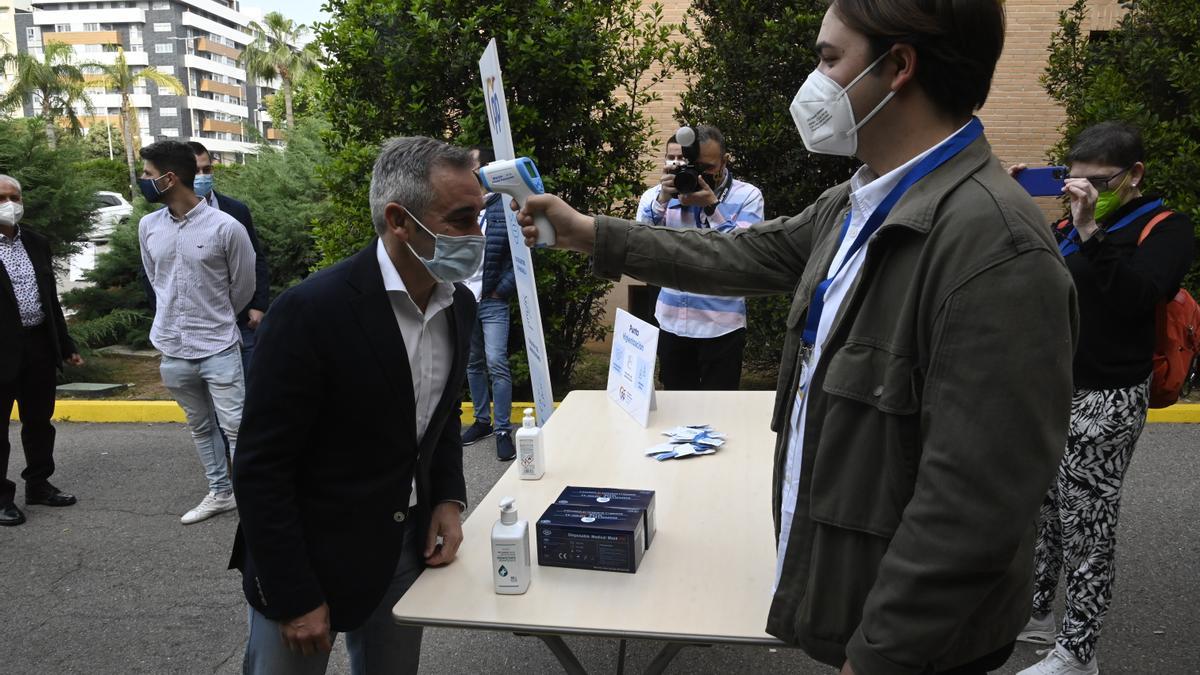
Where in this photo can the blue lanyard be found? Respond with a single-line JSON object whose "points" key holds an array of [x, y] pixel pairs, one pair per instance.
{"points": [[939, 156], [1071, 243]]}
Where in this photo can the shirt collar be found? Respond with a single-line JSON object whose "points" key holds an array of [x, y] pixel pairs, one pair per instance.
{"points": [[16, 234], [200, 206], [867, 189], [443, 292], [211, 199]]}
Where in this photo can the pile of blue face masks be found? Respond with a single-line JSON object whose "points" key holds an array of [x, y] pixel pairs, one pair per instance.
{"points": [[687, 441]]}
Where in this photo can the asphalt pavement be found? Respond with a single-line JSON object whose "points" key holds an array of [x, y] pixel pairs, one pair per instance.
{"points": [[116, 584]]}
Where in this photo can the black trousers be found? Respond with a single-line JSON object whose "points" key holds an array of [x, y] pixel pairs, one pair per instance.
{"points": [[693, 364], [33, 390], [982, 665]]}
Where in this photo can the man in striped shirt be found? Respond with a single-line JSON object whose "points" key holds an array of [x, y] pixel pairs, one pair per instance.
{"points": [[200, 263], [702, 336]]}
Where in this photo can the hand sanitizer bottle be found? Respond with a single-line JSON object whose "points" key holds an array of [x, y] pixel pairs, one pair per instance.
{"points": [[531, 458], [511, 564]]}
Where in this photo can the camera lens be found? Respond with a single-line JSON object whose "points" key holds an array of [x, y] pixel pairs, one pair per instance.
{"points": [[687, 180]]}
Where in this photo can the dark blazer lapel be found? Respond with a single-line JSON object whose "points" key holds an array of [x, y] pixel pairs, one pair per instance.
{"points": [[6, 282], [373, 310]]}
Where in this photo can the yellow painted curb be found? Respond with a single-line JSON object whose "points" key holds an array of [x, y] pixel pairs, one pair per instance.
{"points": [[1180, 413], [75, 410]]}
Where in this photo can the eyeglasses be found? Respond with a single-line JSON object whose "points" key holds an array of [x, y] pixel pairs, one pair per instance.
{"points": [[1101, 182]]}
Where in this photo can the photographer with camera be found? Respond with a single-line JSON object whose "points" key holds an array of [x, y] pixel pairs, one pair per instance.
{"points": [[702, 336]]}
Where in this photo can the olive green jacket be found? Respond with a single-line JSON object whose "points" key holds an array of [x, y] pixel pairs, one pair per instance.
{"points": [[937, 413]]}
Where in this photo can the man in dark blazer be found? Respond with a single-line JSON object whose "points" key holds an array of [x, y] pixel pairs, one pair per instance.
{"points": [[251, 315], [35, 343], [349, 473]]}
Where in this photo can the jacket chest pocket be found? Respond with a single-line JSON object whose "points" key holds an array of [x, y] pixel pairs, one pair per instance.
{"points": [[864, 470]]}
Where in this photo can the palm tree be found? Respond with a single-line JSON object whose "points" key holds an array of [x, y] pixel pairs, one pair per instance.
{"points": [[54, 83], [120, 78], [272, 55]]}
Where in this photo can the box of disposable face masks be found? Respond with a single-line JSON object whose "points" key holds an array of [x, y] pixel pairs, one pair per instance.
{"points": [[591, 538], [641, 500]]}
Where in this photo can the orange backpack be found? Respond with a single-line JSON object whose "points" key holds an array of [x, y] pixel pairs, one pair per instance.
{"points": [[1177, 341]]}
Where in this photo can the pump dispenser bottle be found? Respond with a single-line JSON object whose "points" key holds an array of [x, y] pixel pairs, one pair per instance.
{"points": [[511, 564], [531, 457]]}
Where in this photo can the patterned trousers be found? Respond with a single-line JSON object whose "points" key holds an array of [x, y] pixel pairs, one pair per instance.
{"points": [[1078, 525]]}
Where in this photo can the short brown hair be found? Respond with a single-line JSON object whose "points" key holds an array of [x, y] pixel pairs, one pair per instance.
{"points": [[958, 43]]}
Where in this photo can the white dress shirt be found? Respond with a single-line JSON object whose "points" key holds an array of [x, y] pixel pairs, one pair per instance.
{"points": [[866, 192], [426, 339], [201, 267]]}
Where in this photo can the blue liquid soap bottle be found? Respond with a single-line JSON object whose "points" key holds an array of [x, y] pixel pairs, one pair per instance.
{"points": [[511, 564]]}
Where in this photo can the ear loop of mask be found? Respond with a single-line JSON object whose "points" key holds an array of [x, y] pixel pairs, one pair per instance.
{"points": [[424, 229], [870, 115]]}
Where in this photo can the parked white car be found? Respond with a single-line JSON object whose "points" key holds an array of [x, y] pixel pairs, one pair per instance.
{"points": [[114, 209]]}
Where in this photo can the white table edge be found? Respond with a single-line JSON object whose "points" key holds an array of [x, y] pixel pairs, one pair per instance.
{"points": [[534, 629]]}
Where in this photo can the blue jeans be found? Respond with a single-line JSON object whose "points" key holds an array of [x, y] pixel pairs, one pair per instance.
{"points": [[489, 357], [211, 392], [378, 646]]}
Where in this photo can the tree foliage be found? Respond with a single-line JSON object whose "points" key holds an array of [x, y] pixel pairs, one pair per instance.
{"points": [[275, 54], [54, 84], [59, 200], [122, 79], [95, 144], [114, 309], [286, 197], [108, 174], [746, 93], [1145, 72], [578, 77]]}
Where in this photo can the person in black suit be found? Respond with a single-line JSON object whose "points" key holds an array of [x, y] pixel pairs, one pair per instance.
{"points": [[349, 469], [35, 339]]}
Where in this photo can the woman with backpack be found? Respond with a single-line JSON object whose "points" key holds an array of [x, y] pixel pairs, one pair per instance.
{"points": [[1128, 254]]}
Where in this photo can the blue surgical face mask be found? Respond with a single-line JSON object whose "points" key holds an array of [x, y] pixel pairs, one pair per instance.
{"points": [[454, 258], [149, 188], [203, 185]]}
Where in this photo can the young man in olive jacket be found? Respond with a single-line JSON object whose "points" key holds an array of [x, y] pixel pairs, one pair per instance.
{"points": [[925, 387]]}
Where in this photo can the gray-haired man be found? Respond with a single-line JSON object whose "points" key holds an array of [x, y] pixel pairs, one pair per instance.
{"points": [[349, 466], [35, 339]]}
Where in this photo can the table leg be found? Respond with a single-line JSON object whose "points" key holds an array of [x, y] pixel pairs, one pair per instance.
{"points": [[570, 664], [666, 655], [621, 658]]}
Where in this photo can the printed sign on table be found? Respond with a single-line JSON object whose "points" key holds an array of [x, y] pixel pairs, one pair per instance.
{"points": [[531, 315], [631, 366]]}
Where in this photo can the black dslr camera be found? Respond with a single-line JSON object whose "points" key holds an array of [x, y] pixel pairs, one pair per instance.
{"points": [[687, 176]]}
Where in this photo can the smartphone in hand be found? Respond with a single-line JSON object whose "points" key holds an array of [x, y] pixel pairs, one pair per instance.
{"points": [[1045, 181]]}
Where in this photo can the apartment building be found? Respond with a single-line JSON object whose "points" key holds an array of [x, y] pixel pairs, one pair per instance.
{"points": [[197, 41], [8, 37]]}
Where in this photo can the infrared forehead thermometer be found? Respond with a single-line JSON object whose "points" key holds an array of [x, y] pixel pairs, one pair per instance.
{"points": [[518, 178]]}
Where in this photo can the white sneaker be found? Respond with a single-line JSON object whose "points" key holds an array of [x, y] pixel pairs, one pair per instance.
{"points": [[1059, 661], [211, 505], [1039, 631]]}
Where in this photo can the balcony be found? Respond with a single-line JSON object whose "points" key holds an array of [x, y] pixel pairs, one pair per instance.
{"points": [[213, 87], [109, 58], [111, 15], [274, 134], [219, 126], [98, 37], [207, 45], [210, 66]]}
